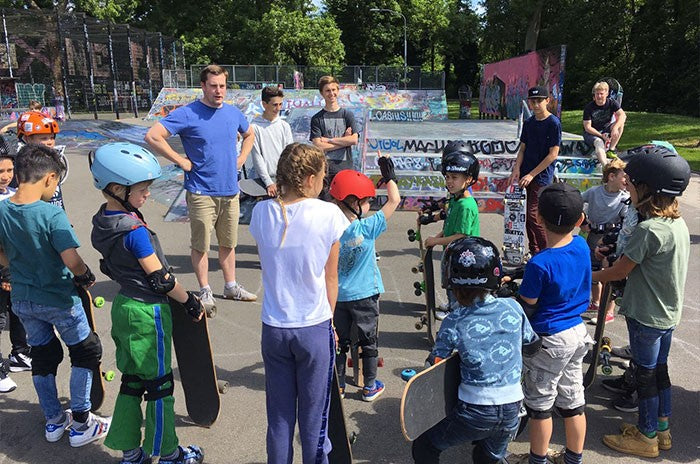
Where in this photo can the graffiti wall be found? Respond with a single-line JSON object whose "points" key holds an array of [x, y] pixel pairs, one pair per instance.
{"points": [[431, 103], [504, 84]]}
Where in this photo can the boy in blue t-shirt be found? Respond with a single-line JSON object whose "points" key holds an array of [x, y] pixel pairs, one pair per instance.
{"points": [[359, 280], [555, 291], [491, 336], [540, 140], [44, 297]]}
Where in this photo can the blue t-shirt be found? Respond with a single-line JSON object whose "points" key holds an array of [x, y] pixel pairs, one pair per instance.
{"points": [[560, 279], [358, 273], [33, 236], [539, 137], [489, 336], [209, 136], [138, 241]]}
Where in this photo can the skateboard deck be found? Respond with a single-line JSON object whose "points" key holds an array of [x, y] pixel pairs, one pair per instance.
{"points": [[196, 366], [341, 453], [429, 396], [599, 346], [97, 389], [514, 215]]}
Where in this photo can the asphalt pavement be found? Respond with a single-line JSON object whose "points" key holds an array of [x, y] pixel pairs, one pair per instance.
{"points": [[239, 434]]}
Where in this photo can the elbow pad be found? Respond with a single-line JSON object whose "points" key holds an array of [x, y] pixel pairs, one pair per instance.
{"points": [[530, 309], [159, 283]]}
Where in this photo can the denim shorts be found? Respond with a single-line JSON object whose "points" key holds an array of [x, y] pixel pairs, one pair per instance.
{"points": [[39, 322]]}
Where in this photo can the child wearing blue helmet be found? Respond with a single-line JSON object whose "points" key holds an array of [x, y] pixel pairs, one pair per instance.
{"points": [[132, 256]]}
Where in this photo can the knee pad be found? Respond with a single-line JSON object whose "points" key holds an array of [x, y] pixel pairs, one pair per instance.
{"points": [[156, 389], [535, 414], [125, 389], [86, 354], [571, 412], [646, 383], [481, 456], [663, 381], [344, 345], [46, 358], [369, 353]]}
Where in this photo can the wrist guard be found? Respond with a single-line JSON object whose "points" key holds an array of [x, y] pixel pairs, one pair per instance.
{"points": [[193, 305], [386, 167], [86, 279]]}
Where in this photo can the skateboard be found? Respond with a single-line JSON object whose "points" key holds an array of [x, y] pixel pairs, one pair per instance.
{"points": [[97, 389], [602, 347], [429, 396], [252, 192], [341, 453], [425, 266], [196, 366], [514, 215]]}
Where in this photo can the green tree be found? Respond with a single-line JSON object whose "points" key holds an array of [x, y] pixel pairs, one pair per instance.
{"points": [[460, 46], [427, 22]]}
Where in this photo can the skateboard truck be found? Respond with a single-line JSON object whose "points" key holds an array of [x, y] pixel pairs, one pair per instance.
{"points": [[605, 352]]}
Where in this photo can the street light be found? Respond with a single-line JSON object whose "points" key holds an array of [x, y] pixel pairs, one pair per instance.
{"points": [[405, 43]]}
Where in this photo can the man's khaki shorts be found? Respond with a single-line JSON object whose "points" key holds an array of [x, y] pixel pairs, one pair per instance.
{"points": [[209, 213]]}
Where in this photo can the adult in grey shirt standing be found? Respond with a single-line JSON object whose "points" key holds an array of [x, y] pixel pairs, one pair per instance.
{"points": [[334, 130]]}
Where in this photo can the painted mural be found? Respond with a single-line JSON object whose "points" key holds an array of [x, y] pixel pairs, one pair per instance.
{"points": [[504, 84]]}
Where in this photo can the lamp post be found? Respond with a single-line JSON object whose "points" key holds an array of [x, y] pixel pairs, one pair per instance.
{"points": [[405, 43]]}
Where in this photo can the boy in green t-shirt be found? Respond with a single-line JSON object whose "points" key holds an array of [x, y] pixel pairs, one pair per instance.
{"points": [[461, 170]]}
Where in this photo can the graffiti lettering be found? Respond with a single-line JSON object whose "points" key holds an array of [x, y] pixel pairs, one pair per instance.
{"points": [[396, 115]]}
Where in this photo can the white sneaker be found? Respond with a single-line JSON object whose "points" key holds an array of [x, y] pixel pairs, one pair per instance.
{"points": [[95, 428], [208, 302], [7, 384], [20, 362], [54, 429], [237, 292]]}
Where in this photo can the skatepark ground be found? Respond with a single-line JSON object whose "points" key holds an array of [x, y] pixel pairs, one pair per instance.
{"points": [[239, 434]]}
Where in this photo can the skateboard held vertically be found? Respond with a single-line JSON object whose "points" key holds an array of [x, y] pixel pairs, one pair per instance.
{"points": [[97, 389], [514, 216], [600, 346], [341, 452], [196, 365]]}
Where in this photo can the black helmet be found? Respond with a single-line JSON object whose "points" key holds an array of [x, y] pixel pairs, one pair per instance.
{"points": [[471, 262], [659, 168], [5, 151], [461, 162], [457, 146]]}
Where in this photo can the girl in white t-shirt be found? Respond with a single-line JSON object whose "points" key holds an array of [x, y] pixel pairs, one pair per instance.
{"points": [[298, 244]]}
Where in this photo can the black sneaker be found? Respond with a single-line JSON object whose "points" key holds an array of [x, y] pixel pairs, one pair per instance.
{"points": [[616, 385], [626, 403], [20, 362]]}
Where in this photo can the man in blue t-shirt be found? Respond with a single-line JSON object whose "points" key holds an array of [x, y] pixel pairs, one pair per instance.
{"points": [[554, 294], [209, 130], [534, 166]]}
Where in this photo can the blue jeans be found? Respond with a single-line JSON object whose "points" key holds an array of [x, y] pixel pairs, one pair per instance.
{"points": [[72, 325], [650, 348], [490, 427]]}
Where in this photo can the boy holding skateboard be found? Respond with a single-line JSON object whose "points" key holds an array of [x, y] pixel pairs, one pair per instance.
{"points": [[40, 245], [461, 170], [141, 318], [534, 166], [491, 335], [655, 262], [555, 291], [359, 279]]}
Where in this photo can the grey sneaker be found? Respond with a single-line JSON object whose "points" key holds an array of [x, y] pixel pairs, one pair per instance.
{"points": [[237, 292], [208, 302]]}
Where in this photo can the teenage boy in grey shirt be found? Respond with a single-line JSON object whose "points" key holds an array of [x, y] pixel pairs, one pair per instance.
{"points": [[272, 134]]}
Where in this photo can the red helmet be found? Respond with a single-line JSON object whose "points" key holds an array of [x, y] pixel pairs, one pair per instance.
{"points": [[349, 182], [34, 122]]}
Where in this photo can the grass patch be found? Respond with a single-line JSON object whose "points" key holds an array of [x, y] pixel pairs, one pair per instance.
{"points": [[682, 131]]}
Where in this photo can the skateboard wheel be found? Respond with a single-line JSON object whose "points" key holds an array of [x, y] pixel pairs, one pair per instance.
{"points": [[108, 376], [407, 374], [418, 292], [352, 438], [415, 269], [419, 325], [98, 302], [222, 385], [211, 312], [607, 370]]}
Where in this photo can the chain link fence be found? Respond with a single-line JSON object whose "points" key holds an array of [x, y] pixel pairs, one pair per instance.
{"points": [[82, 64]]}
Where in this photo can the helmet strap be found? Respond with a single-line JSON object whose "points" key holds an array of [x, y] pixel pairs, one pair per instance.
{"points": [[357, 213], [125, 201]]}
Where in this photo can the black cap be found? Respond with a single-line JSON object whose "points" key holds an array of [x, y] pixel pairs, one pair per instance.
{"points": [[560, 204], [538, 92]]}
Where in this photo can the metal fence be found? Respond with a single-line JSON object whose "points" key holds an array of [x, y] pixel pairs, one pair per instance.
{"points": [[294, 77], [83, 63]]}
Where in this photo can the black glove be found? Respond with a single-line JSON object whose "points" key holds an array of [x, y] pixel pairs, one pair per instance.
{"points": [[86, 279], [386, 167], [193, 305], [4, 274]]}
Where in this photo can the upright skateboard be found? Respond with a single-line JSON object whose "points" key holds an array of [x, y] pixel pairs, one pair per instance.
{"points": [[341, 453], [196, 366], [602, 347], [425, 266], [97, 389], [514, 215], [252, 192]]}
